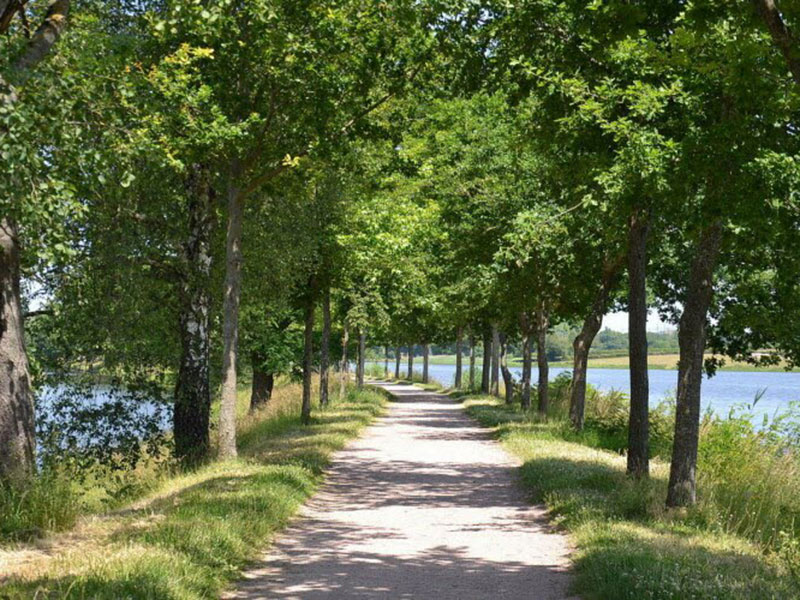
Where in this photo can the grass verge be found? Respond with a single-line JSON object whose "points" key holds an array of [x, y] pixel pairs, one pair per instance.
{"points": [[628, 545], [191, 537]]}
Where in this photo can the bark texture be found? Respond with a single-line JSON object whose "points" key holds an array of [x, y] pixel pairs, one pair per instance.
{"points": [[543, 386], [308, 356], [17, 433], [495, 360], [192, 391], [508, 379], [325, 348], [692, 342], [487, 360], [525, 327], [261, 391], [343, 363], [781, 35], [583, 341], [638, 427], [230, 325], [426, 355], [362, 350], [459, 349]]}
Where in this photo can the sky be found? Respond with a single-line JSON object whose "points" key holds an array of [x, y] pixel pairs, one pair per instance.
{"points": [[618, 321]]}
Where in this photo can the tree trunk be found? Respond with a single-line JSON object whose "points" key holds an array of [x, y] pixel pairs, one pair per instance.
{"points": [[343, 364], [495, 361], [261, 392], [426, 354], [583, 342], [362, 349], [386, 362], [230, 327], [472, 343], [638, 427], [782, 37], [543, 387], [487, 360], [411, 362], [192, 392], [308, 356], [525, 327], [325, 348], [17, 430], [508, 379], [459, 343], [397, 358], [692, 342]]}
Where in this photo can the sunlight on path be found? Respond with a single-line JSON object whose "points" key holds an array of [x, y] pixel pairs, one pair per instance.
{"points": [[424, 505]]}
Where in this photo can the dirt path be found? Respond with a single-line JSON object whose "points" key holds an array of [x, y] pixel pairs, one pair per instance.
{"points": [[424, 505]]}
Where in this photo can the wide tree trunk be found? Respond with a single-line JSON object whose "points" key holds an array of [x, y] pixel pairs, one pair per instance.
{"points": [[411, 362], [525, 328], [543, 387], [325, 348], [472, 343], [230, 324], [426, 356], [17, 441], [459, 344], [308, 356], [692, 342], [397, 358], [192, 392], [487, 360], [508, 379], [261, 391], [362, 349], [583, 341], [638, 427], [495, 360], [343, 364]]}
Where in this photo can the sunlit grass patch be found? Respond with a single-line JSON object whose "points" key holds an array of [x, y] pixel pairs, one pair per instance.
{"points": [[192, 536]]}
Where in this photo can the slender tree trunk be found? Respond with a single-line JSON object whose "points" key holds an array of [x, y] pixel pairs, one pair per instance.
{"points": [[386, 362], [17, 431], [397, 359], [543, 387], [325, 348], [343, 364], [411, 362], [525, 328], [362, 350], [782, 37], [308, 356], [508, 379], [263, 382], [583, 342], [487, 360], [692, 342], [472, 343], [230, 326], [638, 428], [495, 360], [426, 354], [459, 344], [192, 392]]}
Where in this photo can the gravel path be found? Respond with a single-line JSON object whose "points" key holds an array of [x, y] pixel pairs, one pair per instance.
{"points": [[424, 505]]}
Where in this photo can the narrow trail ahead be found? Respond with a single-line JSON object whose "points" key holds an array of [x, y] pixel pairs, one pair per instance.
{"points": [[424, 505]]}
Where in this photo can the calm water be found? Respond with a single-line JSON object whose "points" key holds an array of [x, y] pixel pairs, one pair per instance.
{"points": [[721, 393]]}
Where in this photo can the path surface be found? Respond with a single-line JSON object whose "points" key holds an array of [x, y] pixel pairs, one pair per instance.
{"points": [[424, 505]]}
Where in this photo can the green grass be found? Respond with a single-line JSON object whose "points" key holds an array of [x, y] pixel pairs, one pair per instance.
{"points": [[191, 537], [628, 545]]}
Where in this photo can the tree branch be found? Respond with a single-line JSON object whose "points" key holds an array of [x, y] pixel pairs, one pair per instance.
{"points": [[781, 35]]}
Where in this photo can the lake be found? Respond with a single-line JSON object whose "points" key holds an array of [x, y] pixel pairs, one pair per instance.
{"points": [[721, 393]]}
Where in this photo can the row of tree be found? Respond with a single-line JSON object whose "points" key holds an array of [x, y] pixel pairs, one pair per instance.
{"points": [[414, 171]]}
